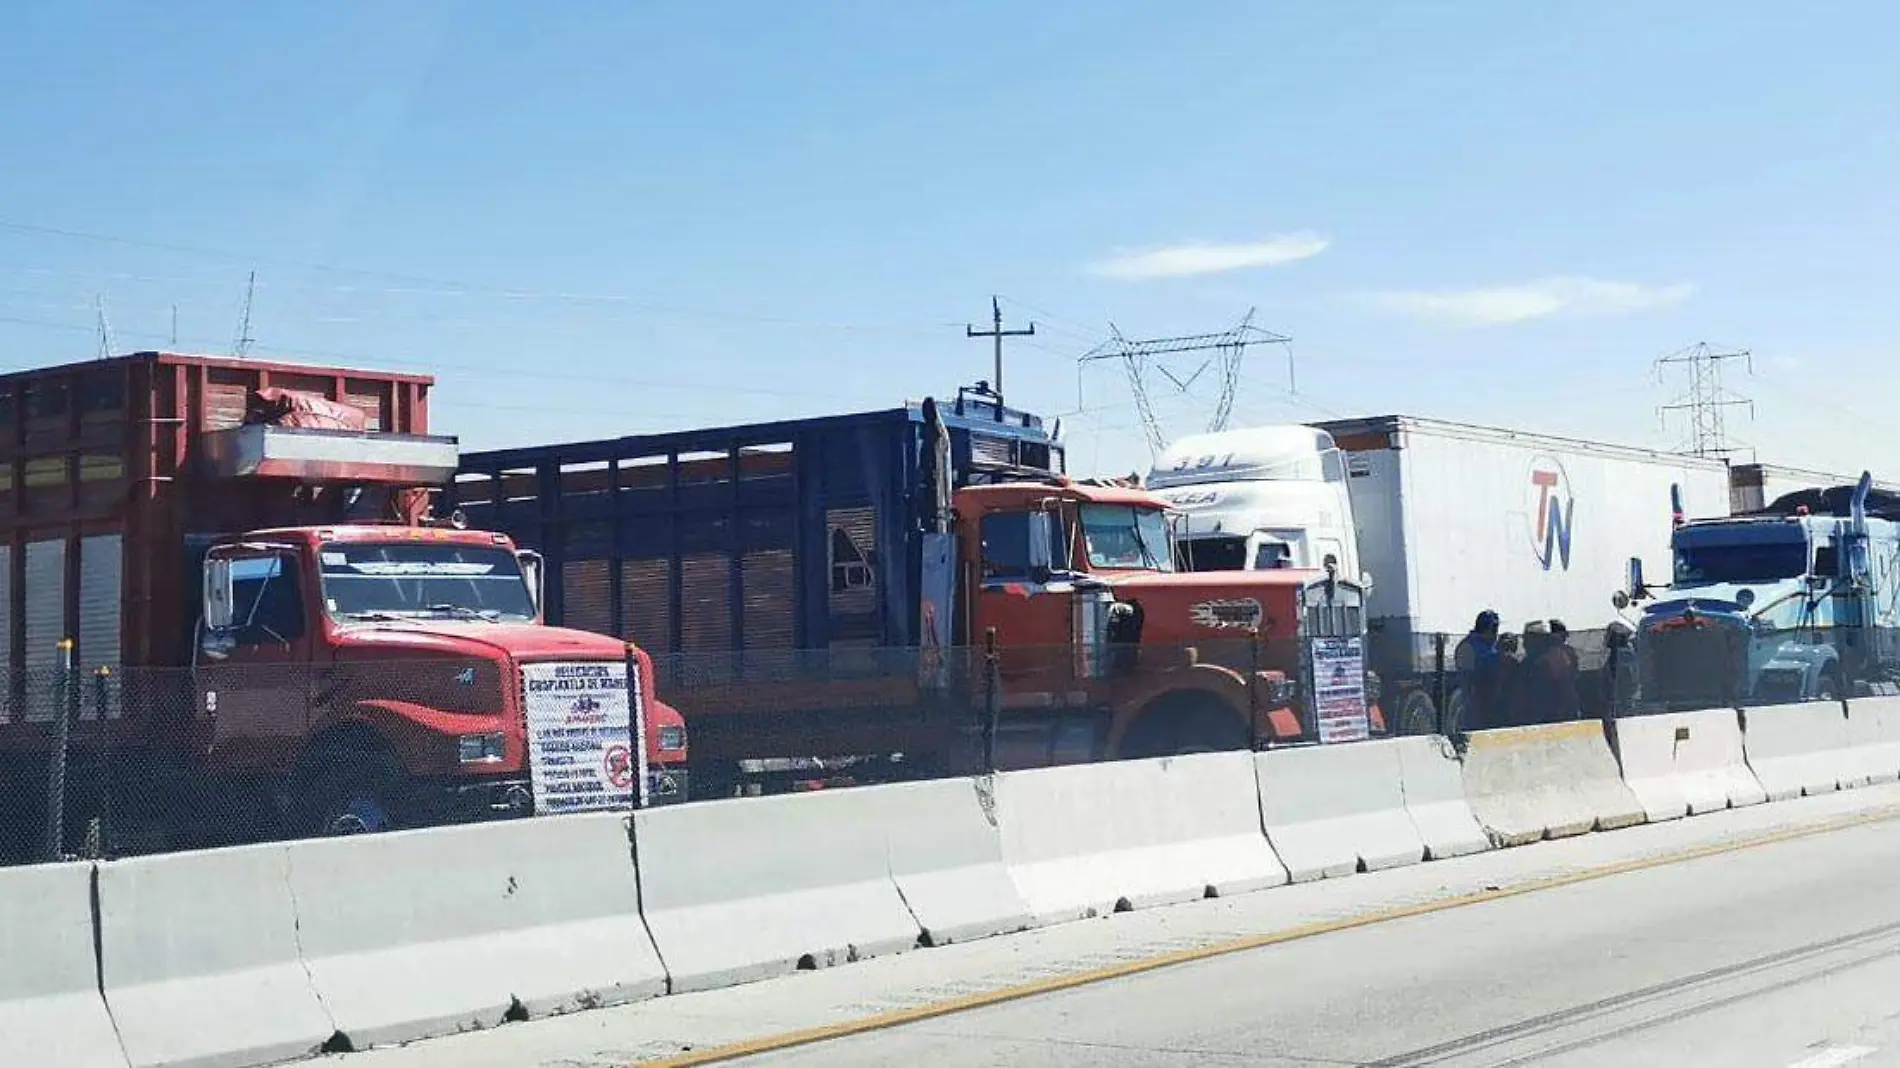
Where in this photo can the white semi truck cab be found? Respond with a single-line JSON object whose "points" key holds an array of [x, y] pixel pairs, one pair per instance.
{"points": [[1257, 499]]}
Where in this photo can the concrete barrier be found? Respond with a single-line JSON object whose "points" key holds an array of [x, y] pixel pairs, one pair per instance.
{"points": [[754, 887], [1686, 763], [1432, 780], [199, 957], [1091, 839], [1331, 810], [946, 855], [1799, 749], [1549, 781], [50, 1009], [424, 933], [1873, 729]]}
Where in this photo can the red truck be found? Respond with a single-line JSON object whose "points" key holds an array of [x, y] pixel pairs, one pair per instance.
{"points": [[223, 597]]}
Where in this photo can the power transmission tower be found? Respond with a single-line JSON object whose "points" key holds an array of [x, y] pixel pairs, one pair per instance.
{"points": [[1139, 359], [106, 345], [241, 343], [997, 332], [1704, 397]]}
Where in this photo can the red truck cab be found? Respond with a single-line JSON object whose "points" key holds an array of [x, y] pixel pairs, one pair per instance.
{"points": [[1077, 582], [418, 646]]}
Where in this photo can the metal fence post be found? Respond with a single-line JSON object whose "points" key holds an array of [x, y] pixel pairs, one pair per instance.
{"points": [[637, 727], [992, 698], [65, 694], [1441, 695], [97, 824], [1253, 687]]}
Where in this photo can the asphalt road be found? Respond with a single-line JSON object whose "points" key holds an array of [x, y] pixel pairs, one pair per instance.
{"points": [[1780, 956]]}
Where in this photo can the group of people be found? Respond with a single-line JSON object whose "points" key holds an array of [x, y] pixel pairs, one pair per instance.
{"points": [[1508, 682]]}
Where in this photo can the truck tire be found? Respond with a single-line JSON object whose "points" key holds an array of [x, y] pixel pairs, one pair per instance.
{"points": [[1828, 687], [1417, 713], [348, 789], [1185, 723]]}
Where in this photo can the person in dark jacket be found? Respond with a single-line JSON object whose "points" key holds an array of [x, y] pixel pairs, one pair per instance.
{"points": [[1480, 670], [1547, 690]]}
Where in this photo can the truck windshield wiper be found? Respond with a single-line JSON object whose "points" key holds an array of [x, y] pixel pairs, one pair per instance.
{"points": [[1148, 558], [463, 611], [372, 616]]}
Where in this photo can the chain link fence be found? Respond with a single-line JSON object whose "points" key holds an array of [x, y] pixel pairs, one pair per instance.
{"points": [[97, 763]]}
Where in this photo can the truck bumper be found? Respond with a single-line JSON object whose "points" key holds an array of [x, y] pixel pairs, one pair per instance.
{"points": [[666, 785], [436, 802]]}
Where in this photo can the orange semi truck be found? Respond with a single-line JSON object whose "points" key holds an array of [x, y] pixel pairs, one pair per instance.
{"points": [[224, 603], [833, 591]]}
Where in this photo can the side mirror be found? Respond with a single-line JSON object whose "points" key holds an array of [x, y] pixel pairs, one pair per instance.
{"points": [[1619, 600], [1635, 588], [532, 570], [219, 609]]}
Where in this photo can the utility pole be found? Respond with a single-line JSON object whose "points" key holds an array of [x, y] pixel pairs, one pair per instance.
{"points": [[1705, 398], [997, 333]]}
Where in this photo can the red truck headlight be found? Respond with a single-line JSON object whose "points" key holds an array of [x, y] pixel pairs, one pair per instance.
{"points": [[672, 737], [481, 748]]}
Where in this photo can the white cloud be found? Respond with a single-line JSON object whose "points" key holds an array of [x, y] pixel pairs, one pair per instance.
{"points": [[1185, 261], [1499, 305]]}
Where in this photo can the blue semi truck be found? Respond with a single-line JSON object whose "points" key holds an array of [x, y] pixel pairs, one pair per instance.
{"points": [[1797, 601]]}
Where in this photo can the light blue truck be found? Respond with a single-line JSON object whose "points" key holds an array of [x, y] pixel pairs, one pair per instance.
{"points": [[1797, 601]]}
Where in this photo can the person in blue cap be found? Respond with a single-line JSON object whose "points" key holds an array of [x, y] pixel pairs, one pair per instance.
{"points": [[1480, 668]]}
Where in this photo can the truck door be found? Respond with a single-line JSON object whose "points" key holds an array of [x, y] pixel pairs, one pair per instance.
{"points": [[1017, 562], [253, 676]]}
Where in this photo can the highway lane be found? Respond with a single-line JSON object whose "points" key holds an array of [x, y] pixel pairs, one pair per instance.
{"points": [[1783, 955]]}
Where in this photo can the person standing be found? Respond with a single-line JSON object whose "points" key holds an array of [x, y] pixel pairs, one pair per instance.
{"points": [[1548, 688], [1480, 670]]}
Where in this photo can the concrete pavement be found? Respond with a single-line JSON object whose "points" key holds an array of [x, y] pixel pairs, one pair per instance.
{"points": [[1394, 988], [1779, 956]]}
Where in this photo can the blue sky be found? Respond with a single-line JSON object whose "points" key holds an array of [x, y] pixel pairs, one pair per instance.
{"points": [[591, 219]]}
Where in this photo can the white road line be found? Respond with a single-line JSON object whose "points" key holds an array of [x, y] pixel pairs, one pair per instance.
{"points": [[1833, 1057]]}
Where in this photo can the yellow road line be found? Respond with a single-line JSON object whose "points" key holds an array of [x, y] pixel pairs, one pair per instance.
{"points": [[899, 1017]]}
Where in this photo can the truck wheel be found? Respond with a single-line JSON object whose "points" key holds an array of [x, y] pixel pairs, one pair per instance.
{"points": [[1181, 724], [1417, 713], [1829, 686], [350, 791]]}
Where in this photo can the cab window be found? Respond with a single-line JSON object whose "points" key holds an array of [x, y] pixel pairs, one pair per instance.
{"points": [[1006, 545], [266, 601]]}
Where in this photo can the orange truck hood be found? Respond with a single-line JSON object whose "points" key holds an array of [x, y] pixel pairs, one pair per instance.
{"points": [[1185, 607]]}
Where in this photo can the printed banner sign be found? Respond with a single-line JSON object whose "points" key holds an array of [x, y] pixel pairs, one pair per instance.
{"points": [[1339, 690], [580, 736]]}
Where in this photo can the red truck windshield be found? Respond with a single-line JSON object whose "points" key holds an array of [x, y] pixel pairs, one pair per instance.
{"points": [[365, 580]]}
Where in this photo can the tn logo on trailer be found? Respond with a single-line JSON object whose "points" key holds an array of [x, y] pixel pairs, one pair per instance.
{"points": [[1552, 511]]}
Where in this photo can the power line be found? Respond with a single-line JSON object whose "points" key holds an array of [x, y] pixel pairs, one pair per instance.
{"points": [[448, 287]]}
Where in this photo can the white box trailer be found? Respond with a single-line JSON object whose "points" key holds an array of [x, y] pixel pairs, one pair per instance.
{"points": [[1453, 518]]}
